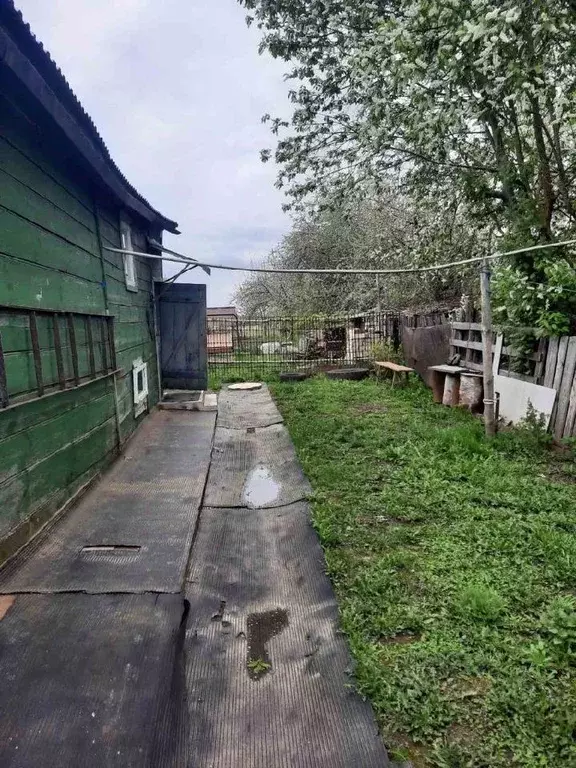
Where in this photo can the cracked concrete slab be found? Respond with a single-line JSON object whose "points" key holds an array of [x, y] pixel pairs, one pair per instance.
{"points": [[256, 467], [268, 671], [243, 410]]}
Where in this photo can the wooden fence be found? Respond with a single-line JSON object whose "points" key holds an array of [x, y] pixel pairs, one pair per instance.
{"points": [[552, 365], [424, 320], [559, 373]]}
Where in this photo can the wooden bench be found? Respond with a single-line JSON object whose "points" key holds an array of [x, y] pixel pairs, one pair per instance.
{"points": [[383, 368]]}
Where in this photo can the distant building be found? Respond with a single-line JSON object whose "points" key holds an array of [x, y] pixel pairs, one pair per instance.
{"points": [[221, 312], [222, 330]]}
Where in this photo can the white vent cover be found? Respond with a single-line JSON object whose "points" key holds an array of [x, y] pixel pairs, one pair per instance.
{"points": [[140, 383]]}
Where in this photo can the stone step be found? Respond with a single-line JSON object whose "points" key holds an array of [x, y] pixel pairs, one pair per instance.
{"points": [[188, 400]]}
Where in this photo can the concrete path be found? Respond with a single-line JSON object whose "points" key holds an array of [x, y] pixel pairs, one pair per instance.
{"points": [[267, 670], [120, 646]]}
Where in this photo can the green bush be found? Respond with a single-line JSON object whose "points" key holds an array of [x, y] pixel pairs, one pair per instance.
{"points": [[559, 625], [480, 602], [384, 350]]}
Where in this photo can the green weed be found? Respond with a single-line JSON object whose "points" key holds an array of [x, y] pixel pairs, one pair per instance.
{"points": [[258, 667], [480, 602], [559, 626], [454, 563]]}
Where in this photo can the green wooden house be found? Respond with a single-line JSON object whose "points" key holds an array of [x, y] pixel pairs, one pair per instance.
{"points": [[78, 339]]}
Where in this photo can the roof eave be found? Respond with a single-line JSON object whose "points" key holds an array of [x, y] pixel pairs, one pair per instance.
{"points": [[13, 58]]}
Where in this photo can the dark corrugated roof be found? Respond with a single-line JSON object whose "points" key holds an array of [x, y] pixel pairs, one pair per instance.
{"points": [[21, 35]]}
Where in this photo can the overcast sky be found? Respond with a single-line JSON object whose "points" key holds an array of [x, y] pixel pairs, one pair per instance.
{"points": [[177, 90]]}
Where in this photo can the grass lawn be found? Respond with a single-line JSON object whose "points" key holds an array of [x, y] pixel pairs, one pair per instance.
{"points": [[454, 562]]}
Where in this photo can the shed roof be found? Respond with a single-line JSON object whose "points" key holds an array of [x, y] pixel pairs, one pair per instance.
{"points": [[221, 311], [33, 66]]}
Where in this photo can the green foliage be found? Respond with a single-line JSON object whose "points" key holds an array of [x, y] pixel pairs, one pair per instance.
{"points": [[258, 667], [388, 231], [454, 563], [559, 626], [480, 602], [544, 298], [485, 106], [384, 350], [533, 429], [462, 107]]}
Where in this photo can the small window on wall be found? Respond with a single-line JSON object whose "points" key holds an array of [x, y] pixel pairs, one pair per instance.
{"points": [[129, 260], [140, 385]]}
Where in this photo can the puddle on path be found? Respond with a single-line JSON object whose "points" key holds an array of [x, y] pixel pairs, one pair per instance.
{"points": [[260, 488]]}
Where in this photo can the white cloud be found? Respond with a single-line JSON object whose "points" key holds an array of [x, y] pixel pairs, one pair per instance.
{"points": [[177, 90]]}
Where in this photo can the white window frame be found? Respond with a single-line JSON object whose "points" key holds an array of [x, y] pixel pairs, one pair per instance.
{"points": [[129, 259], [140, 395]]}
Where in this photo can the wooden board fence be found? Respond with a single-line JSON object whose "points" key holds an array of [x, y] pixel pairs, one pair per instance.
{"points": [[552, 365], [466, 341], [560, 370]]}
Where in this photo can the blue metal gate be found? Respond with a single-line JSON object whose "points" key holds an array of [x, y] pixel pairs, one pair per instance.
{"points": [[182, 313]]}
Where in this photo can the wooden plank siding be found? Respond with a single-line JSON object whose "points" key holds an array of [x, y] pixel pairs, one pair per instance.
{"points": [[52, 224], [134, 324]]}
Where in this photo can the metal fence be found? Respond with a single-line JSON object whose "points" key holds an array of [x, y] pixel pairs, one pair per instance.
{"points": [[258, 348]]}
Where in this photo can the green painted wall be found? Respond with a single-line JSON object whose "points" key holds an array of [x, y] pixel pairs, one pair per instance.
{"points": [[52, 224]]}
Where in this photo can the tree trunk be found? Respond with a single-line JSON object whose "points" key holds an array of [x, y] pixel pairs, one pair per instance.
{"points": [[556, 144], [546, 186], [502, 162]]}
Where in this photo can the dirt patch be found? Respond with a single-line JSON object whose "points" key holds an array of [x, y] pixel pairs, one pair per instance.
{"points": [[407, 752], [467, 687], [6, 602], [563, 474], [402, 521], [461, 734], [404, 638], [361, 410], [262, 627], [561, 450]]}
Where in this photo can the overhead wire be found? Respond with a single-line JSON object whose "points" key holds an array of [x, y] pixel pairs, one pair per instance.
{"points": [[179, 258]]}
